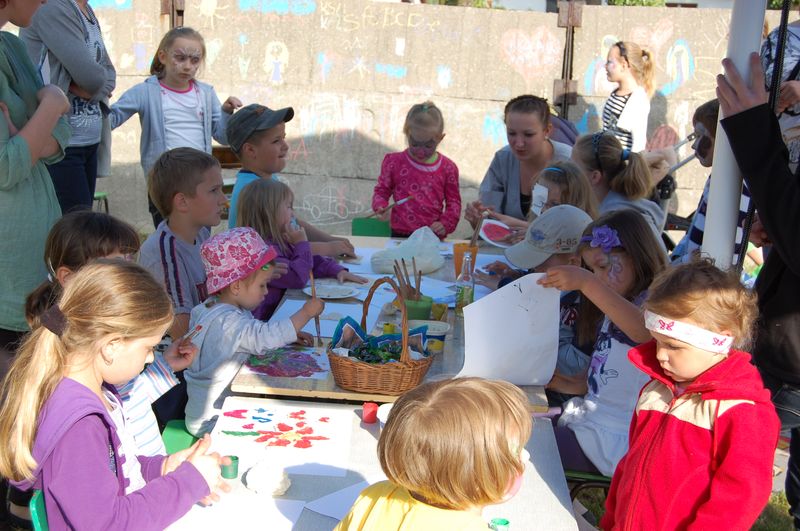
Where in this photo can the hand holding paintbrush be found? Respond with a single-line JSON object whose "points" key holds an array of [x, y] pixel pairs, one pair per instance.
{"points": [[316, 317], [383, 213]]}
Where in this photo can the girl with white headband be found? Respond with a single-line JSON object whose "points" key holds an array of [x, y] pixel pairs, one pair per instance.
{"points": [[704, 432]]}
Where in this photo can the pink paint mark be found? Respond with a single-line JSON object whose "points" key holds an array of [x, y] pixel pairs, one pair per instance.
{"points": [[279, 442], [301, 424], [298, 415], [236, 413], [267, 435], [247, 426], [284, 427], [305, 431], [324, 419]]}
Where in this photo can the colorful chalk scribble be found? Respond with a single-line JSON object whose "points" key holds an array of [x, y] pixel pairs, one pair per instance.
{"points": [[301, 435], [287, 362]]}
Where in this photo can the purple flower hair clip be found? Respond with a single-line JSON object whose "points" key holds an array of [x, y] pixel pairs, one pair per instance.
{"points": [[604, 237]]}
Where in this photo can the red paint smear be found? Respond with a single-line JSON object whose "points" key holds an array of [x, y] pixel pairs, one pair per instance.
{"points": [[302, 444], [236, 413], [267, 435], [299, 415], [279, 442], [284, 427], [247, 426], [495, 232], [301, 424], [305, 431], [324, 419]]}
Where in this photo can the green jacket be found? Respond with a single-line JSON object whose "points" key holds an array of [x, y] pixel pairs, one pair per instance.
{"points": [[28, 204]]}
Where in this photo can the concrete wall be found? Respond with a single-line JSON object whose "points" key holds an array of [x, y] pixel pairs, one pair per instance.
{"points": [[351, 69]]}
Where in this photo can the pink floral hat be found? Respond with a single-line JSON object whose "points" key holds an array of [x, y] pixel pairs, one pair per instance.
{"points": [[233, 255]]}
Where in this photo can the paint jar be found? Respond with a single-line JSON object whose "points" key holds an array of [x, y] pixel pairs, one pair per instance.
{"points": [[437, 331], [420, 309], [459, 250], [231, 471], [388, 328], [369, 413]]}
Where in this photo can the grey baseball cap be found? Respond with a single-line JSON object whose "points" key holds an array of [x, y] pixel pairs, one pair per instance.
{"points": [[252, 118], [557, 230]]}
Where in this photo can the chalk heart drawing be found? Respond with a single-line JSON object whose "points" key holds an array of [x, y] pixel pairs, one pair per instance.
{"points": [[531, 54]]}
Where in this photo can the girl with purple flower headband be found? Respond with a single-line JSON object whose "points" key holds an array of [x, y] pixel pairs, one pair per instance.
{"points": [[622, 256]]}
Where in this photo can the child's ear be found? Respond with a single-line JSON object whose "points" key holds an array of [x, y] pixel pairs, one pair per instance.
{"points": [[235, 287], [62, 274], [180, 202], [595, 177], [548, 130]]}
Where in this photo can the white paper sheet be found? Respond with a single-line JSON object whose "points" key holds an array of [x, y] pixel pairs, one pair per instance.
{"points": [[242, 509], [512, 334], [363, 265], [330, 315], [337, 504]]}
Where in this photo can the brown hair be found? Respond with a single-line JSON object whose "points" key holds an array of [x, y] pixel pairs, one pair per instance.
{"points": [[177, 171], [626, 172], [97, 303], [424, 115], [75, 239], [156, 66], [711, 298], [640, 61], [456, 444], [707, 114], [647, 256], [259, 203], [575, 187], [529, 104]]}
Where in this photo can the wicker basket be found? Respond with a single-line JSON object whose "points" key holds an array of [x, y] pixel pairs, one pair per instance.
{"points": [[389, 378]]}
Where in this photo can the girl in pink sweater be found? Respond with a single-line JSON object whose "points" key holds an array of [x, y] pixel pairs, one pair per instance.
{"points": [[422, 174]]}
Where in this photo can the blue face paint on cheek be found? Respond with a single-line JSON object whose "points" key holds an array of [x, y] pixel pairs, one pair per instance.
{"points": [[615, 269]]}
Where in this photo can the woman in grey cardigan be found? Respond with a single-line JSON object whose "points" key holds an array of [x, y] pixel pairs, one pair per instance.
{"points": [[508, 185], [66, 43]]}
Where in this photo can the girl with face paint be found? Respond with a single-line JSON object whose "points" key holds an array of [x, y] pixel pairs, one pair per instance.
{"points": [[422, 181], [175, 109]]}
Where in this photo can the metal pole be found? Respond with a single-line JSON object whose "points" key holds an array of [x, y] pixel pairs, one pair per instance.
{"points": [[744, 37]]}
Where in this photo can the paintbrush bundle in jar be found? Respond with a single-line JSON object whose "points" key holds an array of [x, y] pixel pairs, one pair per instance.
{"points": [[409, 290]]}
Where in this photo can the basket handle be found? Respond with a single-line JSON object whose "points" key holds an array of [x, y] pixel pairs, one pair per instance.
{"points": [[405, 355]]}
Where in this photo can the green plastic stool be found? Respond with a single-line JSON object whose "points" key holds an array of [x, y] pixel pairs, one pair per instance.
{"points": [[370, 227], [175, 436], [586, 480], [102, 198], [38, 512]]}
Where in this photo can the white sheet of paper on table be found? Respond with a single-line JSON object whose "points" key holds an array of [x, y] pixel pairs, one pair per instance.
{"points": [[242, 509], [364, 265], [282, 423], [330, 315], [512, 334]]}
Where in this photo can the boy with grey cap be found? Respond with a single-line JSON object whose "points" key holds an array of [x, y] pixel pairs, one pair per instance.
{"points": [[257, 134], [552, 240]]}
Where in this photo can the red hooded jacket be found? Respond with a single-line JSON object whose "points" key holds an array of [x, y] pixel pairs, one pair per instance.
{"points": [[702, 460]]}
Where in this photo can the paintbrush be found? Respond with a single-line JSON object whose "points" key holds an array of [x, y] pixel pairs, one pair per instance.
{"points": [[388, 208], [190, 335], [316, 318], [474, 240], [417, 274]]}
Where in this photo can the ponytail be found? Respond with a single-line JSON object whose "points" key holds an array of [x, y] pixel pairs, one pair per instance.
{"points": [[633, 178], [648, 72], [625, 172], [39, 300]]}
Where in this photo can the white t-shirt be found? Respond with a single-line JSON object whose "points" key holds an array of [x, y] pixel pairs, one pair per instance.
{"points": [[183, 117], [131, 469]]}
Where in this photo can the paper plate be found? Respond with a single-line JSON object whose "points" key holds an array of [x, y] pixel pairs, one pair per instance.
{"points": [[327, 291], [493, 230]]}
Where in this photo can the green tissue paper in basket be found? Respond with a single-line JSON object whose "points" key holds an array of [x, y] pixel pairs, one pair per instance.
{"points": [[350, 340]]}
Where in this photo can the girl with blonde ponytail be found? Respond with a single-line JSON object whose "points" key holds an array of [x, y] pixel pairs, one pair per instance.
{"points": [[619, 177], [62, 427], [626, 110]]}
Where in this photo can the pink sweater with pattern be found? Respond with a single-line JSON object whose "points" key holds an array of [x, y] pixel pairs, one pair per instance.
{"points": [[434, 187]]}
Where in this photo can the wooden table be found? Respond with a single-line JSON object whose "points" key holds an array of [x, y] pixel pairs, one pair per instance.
{"points": [[542, 502]]}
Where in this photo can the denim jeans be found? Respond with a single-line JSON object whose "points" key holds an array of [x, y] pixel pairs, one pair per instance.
{"points": [[74, 178], [786, 399]]}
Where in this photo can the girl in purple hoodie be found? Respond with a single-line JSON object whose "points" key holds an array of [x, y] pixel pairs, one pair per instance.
{"points": [[62, 427], [266, 206]]}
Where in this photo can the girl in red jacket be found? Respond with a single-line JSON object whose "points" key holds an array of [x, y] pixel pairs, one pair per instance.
{"points": [[703, 437]]}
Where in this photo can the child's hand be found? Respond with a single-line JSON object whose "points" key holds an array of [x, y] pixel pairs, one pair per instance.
{"points": [[180, 355], [758, 235], [209, 467], [438, 229], [383, 214], [345, 275], [305, 339], [475, 211], [566, 278], [312, 308], [231, 104], [737, 94], [485, 279], [277, 270], [296, 234], [342, 247], [12, 129], [498, 268]]}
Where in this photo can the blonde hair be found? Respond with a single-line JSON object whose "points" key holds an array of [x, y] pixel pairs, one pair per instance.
{"points": [[156, 66], [456, 443], [712, 298], [626, 172], [640, 61], [97, 303], [424, 115], [179, 170], [574, 184], [259, 204]]}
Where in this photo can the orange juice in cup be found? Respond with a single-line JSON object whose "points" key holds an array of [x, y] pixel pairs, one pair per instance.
{"points": [[459, 250]]}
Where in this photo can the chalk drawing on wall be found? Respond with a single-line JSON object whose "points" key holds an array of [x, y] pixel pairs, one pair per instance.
{"points": [[279, 7], [209, 12], [121, 5], [494, 130], [243, 59], [213, 48], [298, 149], [400, 46], [531, 54], [328, 113], [328, 206], [680, 66], [276, 59], [360, 66], [444, 76], [589, 121], [325, 63], [390, 70], [342, 16]]}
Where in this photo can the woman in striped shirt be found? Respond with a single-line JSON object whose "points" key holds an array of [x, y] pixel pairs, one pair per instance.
{"points": [[626, 110]]}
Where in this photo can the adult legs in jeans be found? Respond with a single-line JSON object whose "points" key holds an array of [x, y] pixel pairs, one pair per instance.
{"points": [[74, 178], [786, 399]]}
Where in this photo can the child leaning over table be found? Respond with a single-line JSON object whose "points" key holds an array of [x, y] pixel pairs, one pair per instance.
{"points": [[703, 436], [434, 481], [238, 266]]}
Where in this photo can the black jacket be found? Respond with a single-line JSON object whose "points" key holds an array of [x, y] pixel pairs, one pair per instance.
{"points": [[763, 159]]}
